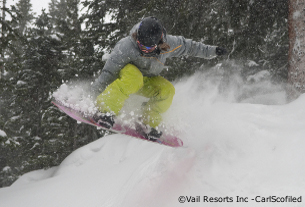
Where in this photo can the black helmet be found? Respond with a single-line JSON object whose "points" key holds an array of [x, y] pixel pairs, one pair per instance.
{"points": [[150, 31]]}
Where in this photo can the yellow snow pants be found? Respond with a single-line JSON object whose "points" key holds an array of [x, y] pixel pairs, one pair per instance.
{"points": [[131, 81]]}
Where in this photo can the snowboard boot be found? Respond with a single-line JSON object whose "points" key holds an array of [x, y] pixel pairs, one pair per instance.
{"points": [[148, 132], [105, 120]]}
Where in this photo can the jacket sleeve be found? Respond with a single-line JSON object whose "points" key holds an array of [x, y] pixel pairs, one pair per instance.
{"points": [[119, 57], [181, 46]]}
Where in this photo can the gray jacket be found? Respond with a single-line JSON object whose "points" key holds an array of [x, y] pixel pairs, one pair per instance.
{"points": [[126, 51]]}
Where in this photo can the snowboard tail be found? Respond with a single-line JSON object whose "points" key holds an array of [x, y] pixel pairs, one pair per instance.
{"points": [[119, 128]]}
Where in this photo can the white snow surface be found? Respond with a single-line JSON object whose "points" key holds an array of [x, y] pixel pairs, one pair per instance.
{"points": [[231, 149]]}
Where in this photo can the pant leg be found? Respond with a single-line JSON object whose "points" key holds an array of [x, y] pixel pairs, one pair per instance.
{"points": [[113, 98], [160, 93]]}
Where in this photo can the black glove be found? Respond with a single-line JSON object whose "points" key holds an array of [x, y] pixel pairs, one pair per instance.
{"points": [[221, 51]]}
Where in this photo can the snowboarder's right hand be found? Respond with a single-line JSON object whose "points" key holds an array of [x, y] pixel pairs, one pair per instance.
{"points": [[221, 51]]}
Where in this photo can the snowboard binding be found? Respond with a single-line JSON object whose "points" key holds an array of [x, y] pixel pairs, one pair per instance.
{"points": [[105, 120], [148, 132]]}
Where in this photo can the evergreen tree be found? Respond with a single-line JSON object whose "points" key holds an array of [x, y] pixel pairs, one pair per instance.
{"points": [[9, 147], [24, 8], [22, 26], [33, 83]]}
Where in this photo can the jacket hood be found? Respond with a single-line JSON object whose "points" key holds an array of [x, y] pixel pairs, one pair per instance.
{"points": [[134, 28]]}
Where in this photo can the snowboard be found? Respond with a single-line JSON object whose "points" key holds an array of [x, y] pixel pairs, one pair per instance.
{"points": [[119, 127]]}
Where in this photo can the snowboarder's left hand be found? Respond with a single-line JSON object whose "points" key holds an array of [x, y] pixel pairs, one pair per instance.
{"points": [[221, 51]]}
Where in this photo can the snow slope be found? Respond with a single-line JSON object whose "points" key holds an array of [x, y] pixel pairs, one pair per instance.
{"points": [[232, 149]]}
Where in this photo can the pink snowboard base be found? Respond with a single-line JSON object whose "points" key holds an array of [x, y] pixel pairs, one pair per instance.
{"points": [[166, 139]]}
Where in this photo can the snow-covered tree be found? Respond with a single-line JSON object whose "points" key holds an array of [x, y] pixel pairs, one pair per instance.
{"points": [[25, 15]]}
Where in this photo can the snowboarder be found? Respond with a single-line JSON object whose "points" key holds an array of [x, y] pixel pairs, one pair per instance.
{"points": [[134, 67]]}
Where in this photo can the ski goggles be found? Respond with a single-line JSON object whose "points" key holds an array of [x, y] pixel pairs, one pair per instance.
{"points": [[146, 49]]}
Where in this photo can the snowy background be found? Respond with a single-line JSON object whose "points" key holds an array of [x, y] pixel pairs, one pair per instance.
{"points": [[251, 147]]}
